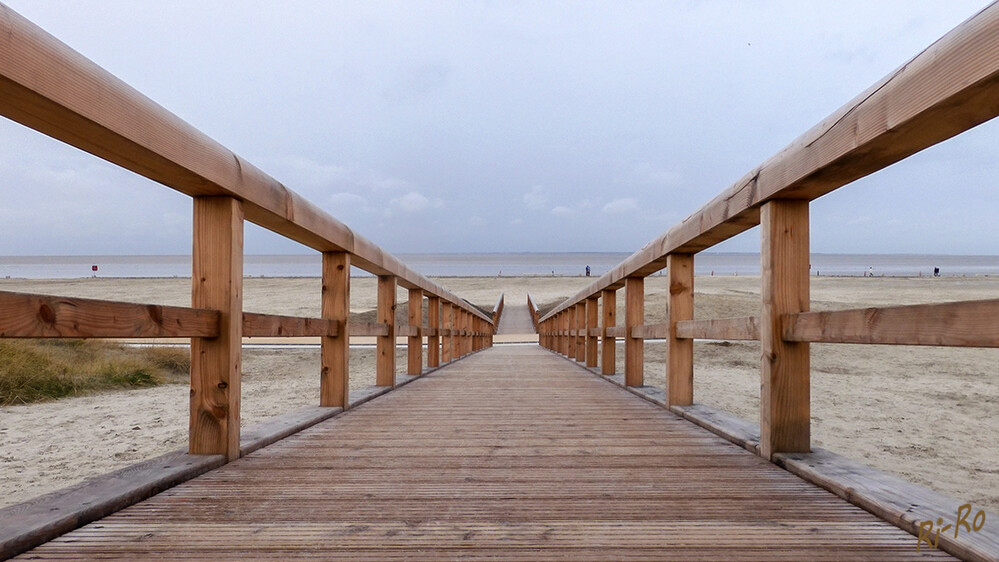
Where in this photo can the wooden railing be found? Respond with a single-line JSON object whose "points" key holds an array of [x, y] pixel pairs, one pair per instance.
{"points": [[48, 87], [950, 87], [945, 90]]}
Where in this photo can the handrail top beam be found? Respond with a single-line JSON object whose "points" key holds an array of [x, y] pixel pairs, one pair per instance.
{"points": [[55, 90], [946, 89]]}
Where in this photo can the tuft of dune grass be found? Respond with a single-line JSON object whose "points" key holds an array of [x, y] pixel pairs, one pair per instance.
{"points": [[38, 370]]}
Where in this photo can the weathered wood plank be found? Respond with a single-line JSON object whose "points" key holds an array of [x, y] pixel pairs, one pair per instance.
{"points": [[487, 467], [272, 325], [785, 408], [334, 374], [433, 332], [25, 315], [634, 346], [608, 344], [961, 324], [617, 332], [650, 331], [385, 345], [679, 351], [414, 341], [948, 88], [216, 362], [581, 332], [592, 330], [897, 501], [29, 524], [745, 328], [369, 329]]}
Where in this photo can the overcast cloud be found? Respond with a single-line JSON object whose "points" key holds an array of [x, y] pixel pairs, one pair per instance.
{"points": [[498, 126]]}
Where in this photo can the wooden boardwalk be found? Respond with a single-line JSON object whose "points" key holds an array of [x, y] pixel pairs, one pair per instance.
{"points": [[513, 453]]}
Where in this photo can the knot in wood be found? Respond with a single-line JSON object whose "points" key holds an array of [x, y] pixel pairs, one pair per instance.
{"points": [[46, 313]]}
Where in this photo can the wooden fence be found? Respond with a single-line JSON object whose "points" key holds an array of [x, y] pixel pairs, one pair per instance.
{"points": [[48, 87], [947, 89]]}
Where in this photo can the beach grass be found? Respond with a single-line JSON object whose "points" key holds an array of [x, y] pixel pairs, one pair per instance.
{"points": [[40, 370]]}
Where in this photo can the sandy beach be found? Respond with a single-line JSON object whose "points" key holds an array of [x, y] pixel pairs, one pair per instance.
{"points": [[925, 414]]}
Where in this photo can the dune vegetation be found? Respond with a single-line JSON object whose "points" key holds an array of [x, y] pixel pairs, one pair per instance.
{"points": [[38, 370]]}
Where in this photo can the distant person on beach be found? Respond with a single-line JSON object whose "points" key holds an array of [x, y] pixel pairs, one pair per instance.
{"points": [[587, 271], [870, 272], [936, 272]]}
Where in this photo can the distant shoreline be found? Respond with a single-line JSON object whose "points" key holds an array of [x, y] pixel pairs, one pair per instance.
{"points": [[493, 265]]}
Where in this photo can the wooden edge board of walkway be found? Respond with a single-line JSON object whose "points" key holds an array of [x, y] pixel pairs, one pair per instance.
{"points": [[36, 521], [888, 497], [456, 483]]}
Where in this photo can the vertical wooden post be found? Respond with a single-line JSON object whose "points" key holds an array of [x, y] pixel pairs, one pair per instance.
{"points": [[634, 315], [434, 324], [592, 322], [334, 381], [580, 336], [414, 345], [680, 352], [385, 365], [608, 344], [463, 337], [446, 337], [570, 314], [470, 337], [566, 326], [216, 362], [784, 398]]}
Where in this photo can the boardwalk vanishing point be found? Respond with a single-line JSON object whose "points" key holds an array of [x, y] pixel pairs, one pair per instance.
{"points": [[531, 450]]}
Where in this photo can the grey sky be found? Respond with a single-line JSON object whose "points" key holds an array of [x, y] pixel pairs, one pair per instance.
{"points": [[498, 126]]}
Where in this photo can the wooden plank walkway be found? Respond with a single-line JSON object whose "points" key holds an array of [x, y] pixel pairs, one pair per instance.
{"points": [[513, 453]]}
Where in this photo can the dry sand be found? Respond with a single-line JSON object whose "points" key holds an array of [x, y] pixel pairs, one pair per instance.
{"points": [[926, 414]]}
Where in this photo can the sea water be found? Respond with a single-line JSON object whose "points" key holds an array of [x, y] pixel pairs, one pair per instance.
{"points": [[495, 264]]}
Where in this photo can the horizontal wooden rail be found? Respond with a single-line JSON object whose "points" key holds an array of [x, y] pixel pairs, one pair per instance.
{"points": [[745, 328], [51, 88], [377, 329], [270, 325], [945, 90], [650, 331], [41, 316], [617, 331], [960, 324]]}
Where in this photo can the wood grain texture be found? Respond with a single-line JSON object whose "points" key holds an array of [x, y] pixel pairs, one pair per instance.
{"points": [[414, 343], [334, 373], [634, 347], [216, 363], [948, 88], [679, 351], [897, 501], [581, 331], [487, 468], [433, 337], [385, 345], [47, 86], [447, 341], [960, 324], [745, 328], [25, 315], [369, 329], [276, 326], [592, 330], [650, 331], [570, 326], [617, 332], [608, 343], [785, 409]]}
